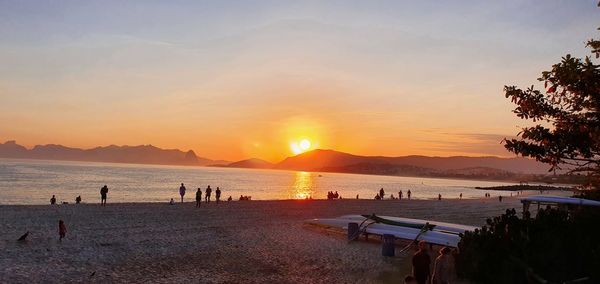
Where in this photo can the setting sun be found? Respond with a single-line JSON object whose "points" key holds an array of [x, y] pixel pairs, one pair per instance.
{"points": [[304, 144], [300, 147]]}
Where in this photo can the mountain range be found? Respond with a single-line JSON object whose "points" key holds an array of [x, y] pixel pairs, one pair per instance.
{"points": [[316, 160], [492, 168], [142, 154]]}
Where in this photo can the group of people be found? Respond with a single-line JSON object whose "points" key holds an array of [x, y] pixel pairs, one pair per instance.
{"points": [[182, 191], [443, 267], [381, 195], [103, 197], [333, 195], [487, 195], [207, 195], [53, 200]]}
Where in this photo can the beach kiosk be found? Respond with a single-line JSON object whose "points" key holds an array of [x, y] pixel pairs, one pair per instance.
{"points": [[560, 202]]}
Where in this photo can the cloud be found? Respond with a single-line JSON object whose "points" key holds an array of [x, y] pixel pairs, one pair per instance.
{"points": [[466, 143]]}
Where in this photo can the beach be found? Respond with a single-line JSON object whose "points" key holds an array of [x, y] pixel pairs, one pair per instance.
{"points": [[232, 242]]}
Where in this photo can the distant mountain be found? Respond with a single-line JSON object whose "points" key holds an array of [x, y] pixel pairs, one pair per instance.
{"points": [[490, 168], [250, 163], [316, 160], [142, 154], [458, 166]]}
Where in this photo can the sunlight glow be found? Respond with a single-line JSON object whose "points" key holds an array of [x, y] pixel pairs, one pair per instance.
{"points": [[303, 186], [300, 147], [304, 144]]}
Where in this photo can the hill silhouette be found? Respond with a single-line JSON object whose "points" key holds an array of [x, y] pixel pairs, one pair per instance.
{"points": [[317, 160], [142, 154], [493, 168], [252, 163]]}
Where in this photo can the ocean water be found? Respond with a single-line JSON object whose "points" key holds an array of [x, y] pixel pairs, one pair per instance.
{"points": [[35, 181]]}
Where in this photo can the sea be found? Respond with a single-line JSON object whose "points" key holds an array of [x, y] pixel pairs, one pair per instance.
{"points": [[35, 181]]}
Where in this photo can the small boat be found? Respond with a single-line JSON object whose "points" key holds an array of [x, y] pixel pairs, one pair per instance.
{"points": [[439, 233]]}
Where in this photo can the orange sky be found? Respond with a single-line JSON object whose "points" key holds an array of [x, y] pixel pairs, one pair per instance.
{"points": [[234, 82]]}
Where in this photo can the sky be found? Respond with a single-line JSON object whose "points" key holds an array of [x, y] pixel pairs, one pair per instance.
{"points": [[239, 79]]}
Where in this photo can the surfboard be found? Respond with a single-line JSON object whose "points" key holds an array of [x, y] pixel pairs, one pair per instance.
{"points": [[436, 225], [440, 233]]}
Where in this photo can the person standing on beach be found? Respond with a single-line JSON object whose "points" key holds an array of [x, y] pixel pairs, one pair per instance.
{"points": [[500, 198], [218, 195], [443, 269], [62, 230], [400, 194], [439, 196], [52, 200], [198, 197], [103, 194], [78, 199], [460, 196], [381, 193], [421, 264], [182, 191], [207, 194], [408, 193]]}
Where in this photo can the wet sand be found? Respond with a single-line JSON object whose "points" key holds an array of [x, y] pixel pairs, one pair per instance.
{"points": [[235, 242]]}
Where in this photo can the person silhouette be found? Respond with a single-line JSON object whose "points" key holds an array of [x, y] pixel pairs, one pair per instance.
{"points": [[62, 230], [207, 193], [198, 197], [103, 195], [381, 193], [218, 194], [182, 191], [421, 264], [53, 200], [78, 199]]}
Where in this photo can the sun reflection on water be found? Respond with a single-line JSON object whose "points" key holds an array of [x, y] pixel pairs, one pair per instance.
{"points": [[303, 186]]}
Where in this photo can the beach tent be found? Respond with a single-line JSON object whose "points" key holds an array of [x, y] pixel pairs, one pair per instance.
{"points": [[557, 201]]}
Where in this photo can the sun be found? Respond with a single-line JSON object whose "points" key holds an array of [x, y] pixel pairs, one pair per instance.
{"points": [[300, 147], [304, 144]]}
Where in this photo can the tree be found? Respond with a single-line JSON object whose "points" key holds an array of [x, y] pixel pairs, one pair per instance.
{"points": [[567, 135]]}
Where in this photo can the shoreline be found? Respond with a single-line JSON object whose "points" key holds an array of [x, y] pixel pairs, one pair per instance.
{"points": [[526, 193], [259, 169]]}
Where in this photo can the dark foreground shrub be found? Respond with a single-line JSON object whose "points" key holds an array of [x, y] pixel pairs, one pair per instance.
{"points": [[555, 246]]}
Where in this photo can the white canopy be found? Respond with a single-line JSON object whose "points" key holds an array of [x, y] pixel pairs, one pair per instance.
{"points": [[559, 200]]}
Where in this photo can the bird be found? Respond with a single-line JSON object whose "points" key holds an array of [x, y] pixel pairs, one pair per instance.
{"points": [[23, 237]]}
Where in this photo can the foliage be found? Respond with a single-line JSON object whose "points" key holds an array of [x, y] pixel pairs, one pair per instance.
{"points": [[568, 115], [555, 246]]}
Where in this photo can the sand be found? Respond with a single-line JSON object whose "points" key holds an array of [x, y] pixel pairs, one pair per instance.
{"points": [[249, 242]]}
